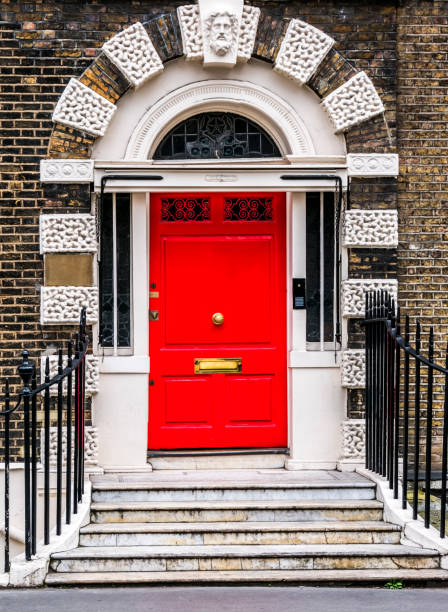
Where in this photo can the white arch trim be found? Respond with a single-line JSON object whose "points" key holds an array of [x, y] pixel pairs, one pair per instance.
{"points": [[260, 105]]}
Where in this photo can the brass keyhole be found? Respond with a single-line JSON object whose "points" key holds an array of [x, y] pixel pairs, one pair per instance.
{"points": [[218, 318]]}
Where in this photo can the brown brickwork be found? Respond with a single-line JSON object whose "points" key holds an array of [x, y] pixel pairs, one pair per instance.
{"points": [[105, 78]]}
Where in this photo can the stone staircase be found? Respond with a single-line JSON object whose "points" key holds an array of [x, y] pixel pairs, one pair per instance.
{"points": [[239, 527]]}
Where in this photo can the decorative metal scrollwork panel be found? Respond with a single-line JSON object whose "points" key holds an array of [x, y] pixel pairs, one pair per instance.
{"points": [[216, 136], [185, 209], [248, 209]]}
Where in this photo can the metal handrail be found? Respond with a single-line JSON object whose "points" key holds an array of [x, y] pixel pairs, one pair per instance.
{"points": [[391, 400], [74, 411]]}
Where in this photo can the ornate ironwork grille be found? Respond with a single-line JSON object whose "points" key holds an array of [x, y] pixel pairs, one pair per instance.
{"points": [[216, 136]]}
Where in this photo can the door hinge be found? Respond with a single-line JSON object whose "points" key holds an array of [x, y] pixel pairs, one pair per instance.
{"points": [[153, 315]]}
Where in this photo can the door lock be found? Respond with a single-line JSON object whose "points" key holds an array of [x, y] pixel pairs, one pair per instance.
{"points": [[153, 315]]}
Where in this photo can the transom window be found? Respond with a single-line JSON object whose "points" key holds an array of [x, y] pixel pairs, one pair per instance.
{"points": [[216, 136]]}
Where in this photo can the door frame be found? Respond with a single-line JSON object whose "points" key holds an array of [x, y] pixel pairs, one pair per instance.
{"points": [[313, 445]]}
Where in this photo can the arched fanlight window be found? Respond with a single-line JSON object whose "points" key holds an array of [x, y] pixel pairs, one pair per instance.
{"points": [[216, 136]]}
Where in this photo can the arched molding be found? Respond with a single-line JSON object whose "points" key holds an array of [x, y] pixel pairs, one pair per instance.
{"points": [[260, 105]]}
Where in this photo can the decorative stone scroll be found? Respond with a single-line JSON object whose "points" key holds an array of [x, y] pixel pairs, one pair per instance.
{"points": [[354, 439], [190, 27], [353, 102], [67, 234], [353, 369], [372, 164], [302, 50], [92, 372], [371, 228], [82, 108], [248, 31], [354, 290], [66, 170], [62, 305], [134, 54], [90, 445]]}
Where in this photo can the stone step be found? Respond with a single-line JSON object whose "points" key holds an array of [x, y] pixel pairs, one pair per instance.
{"points": [[192, 534], [242, 491], [250, 557], [342, 577], [209, 511]]}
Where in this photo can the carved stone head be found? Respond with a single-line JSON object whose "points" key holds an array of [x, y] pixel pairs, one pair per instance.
{"points": [[221, 32]]}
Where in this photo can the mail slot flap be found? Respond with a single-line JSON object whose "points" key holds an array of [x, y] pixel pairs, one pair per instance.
{"points": [[217, 365]]}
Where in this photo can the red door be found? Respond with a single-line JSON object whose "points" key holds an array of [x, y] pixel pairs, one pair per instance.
{"points": [[218, 293]]}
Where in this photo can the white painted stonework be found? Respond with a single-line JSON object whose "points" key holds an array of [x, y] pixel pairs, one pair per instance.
{"points": [[354, 290], [353, 102], [190, 28], [235, 96], [67, 234], [371, 228], [92, 372], [353, 370], [248, 30], [62, 305], [373, 164], [354, 439], [193, 35], [90, 445], [220, 24], [134, 54], [82, 108], [302, 50], [66, 170]]}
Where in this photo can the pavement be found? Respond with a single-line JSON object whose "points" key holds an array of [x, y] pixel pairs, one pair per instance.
{"points": [[224, 599]]}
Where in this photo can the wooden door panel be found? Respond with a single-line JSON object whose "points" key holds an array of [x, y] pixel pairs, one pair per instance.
{"points": [[249, 399], [218, 274], [187, 400], [220, 263]]}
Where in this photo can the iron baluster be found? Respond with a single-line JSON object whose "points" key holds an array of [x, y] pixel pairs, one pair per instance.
{"points": [[397, 407], [68, 461], [405, 417], [33, 465], [59, 449], [417, 423], [6, 458], [444, 453], [76, 443], [428, 449], [47, 453]]}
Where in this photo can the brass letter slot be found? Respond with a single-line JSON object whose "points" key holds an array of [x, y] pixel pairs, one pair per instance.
{"points": [[217, 365]]}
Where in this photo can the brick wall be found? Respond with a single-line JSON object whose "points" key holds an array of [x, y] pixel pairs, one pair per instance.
{"points": [[44, 43]]}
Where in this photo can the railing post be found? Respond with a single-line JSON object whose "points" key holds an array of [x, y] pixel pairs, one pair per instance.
{"points": [[417, 423], [6, 457], [396, 415], [47, 454], [428, 448], [33, 465], [26, 371], [68, 461], [59, 451], [406, 418], [444, 453]]}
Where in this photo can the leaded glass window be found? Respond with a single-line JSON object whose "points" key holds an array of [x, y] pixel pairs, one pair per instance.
{"points": [[216, 136], [115, 271], [320, 269]]}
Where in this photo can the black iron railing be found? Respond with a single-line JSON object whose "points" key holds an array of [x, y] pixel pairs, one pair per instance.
{"points": [[400, 405], [70, 403]]}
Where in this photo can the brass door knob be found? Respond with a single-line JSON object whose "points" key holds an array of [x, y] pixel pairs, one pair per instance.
{"points": [[218, 318]]}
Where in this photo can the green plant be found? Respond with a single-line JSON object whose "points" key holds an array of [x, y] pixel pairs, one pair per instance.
{"points": [[394, 584]]}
